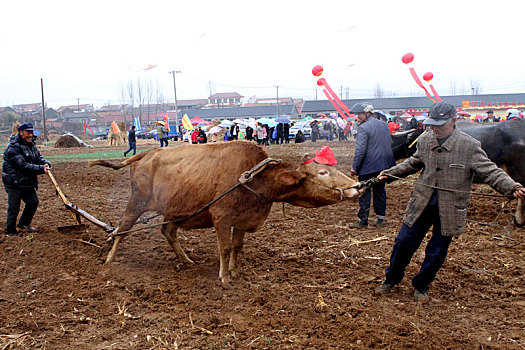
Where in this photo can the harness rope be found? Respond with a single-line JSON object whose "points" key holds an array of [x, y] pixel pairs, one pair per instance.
{"points": [[509, 196]]}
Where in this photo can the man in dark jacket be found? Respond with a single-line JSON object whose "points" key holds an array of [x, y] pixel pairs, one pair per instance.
{"points": [[234, 132], [132, 141], [373, 153], [22, 163]]}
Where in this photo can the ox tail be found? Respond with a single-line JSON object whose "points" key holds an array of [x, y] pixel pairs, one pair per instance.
{"points": [[115, 165]]}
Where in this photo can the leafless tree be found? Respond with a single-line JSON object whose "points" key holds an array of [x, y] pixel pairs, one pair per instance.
{"points": [[453, 87], [378, 91], [475, 86], [140, 96]]}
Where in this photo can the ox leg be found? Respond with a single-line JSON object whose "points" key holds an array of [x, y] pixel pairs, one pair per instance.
{"points": [[133, 211], [519, 218], [225, 247], [237, 243], [170, 232]]}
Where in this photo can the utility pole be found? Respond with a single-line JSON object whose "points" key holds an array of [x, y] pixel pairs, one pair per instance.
{"points": [[43, 110], [78, 104], [278, 104], [177, 126]]}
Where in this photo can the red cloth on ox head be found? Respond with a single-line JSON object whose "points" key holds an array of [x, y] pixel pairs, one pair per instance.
{"points": [[325, 156]]}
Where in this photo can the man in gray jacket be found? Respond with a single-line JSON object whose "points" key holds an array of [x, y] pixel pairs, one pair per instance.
{"points": [[449, 159], [373, 153]]}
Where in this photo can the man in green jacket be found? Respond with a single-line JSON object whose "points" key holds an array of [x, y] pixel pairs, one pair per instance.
{"points": [[449, 159]]}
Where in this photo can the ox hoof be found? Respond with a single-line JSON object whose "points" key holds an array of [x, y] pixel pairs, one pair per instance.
{"points": [[234, 273], [517, 223], [226, 282]]}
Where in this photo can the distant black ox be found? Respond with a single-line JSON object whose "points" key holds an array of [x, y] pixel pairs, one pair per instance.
{"points": [[503, 142]]}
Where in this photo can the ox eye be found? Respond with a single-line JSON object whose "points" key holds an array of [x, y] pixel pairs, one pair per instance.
{"points": [[323, 173]]}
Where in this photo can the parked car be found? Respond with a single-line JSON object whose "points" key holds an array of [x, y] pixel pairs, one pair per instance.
{"points": [[143, 134], [102, 134], [305, 128]]}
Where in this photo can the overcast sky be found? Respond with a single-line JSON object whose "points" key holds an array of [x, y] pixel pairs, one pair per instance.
{"points": [[90, 49]]}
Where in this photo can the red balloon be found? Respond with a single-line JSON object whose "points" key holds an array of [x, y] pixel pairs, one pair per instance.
{"points": [[317, 70], [321, 81], [408, 58], [428, 76]]}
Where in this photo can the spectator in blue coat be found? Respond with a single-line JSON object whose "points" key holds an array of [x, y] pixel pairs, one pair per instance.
{"points": [[373, 154]]}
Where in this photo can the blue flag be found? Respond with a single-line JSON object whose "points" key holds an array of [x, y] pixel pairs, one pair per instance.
{"points": [[136, 122]]}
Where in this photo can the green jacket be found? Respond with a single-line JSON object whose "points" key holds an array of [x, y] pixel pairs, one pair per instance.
{"points": [[162, 132]]}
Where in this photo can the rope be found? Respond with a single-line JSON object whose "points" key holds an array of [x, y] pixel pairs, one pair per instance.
{"points": [[509, 196], [247, 176]]}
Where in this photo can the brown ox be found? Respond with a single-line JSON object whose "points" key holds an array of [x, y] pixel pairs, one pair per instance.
{"points": [[176, 182]]}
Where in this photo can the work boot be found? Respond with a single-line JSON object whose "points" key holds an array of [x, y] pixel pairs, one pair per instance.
{"points": [[384, 288], [359, 224], [379, 223], [420, 296], [28, 228], [11, 234]]}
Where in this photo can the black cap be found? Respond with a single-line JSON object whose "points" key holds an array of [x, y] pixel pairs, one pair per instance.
{"points": [[26, 126], [490, 111], [440, 113]]}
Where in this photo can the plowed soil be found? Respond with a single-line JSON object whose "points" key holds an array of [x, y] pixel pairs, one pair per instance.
{"points": [[307, 279]]}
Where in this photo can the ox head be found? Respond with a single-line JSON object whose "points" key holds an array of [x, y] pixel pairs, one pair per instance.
{"points": [[316, 182]]}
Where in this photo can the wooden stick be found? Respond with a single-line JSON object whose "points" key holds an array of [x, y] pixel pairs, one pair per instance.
{"points": [[62, 196], [356, 242], [90, 218], [93, 244], [204, 330]]}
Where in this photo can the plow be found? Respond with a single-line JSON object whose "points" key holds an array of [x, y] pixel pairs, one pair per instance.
{"points": [[76, 213]]}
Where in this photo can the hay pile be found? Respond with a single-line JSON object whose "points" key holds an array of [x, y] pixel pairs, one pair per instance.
{"points": [[67, 141], [120, 138], [14, 130]]}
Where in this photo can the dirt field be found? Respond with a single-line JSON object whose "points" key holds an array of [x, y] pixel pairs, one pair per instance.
{"points": [[306, 282]]}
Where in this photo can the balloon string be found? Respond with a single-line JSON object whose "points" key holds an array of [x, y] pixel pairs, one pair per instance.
{"points": [[330, 98], [435, 93], [336, 98], [418, 82]]}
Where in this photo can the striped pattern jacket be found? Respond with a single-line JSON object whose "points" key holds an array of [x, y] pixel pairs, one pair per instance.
{"points": [[452, 166]]}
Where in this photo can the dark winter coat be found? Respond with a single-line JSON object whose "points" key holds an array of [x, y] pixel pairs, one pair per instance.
{"points": [[22, 163], [373, 147]]}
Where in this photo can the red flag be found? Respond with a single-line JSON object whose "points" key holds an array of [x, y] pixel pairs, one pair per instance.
{"points": [[84, 126], [89, 129]]}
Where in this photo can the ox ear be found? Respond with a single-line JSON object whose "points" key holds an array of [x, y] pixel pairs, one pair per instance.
{"points": [[290, 177]]}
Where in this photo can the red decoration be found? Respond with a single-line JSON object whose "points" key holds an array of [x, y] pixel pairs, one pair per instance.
{"points": [[428, 76], [321, 81], [317, 70], [408, 58], [325, 156]]}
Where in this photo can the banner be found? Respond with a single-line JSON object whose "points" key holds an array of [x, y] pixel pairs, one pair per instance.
{"points": [[167, 122], [115, 128], [187, 123], [89, 129], [136, 122]]}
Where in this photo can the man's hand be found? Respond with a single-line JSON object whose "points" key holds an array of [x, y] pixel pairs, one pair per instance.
{"points": [[353, 172], [46, 168], [520, 193], [382, 177]]}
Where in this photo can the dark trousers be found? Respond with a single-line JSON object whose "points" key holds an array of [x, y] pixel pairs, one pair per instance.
{"points": [[14, 197], [379, 194], [408, 241], [164, 142], [132, 146]]}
